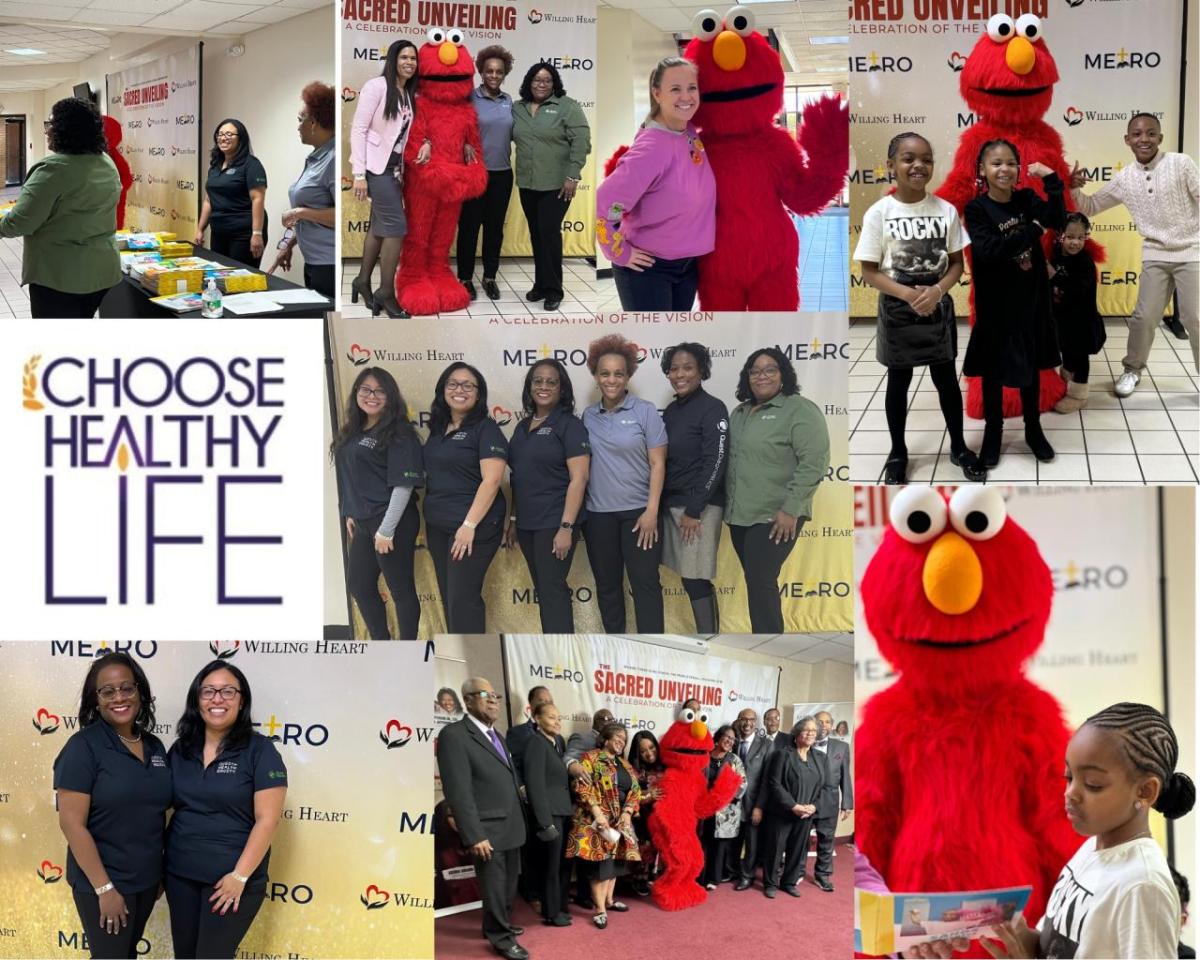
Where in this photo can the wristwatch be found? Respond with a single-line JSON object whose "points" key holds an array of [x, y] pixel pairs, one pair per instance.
{"points": [[567, 525]]}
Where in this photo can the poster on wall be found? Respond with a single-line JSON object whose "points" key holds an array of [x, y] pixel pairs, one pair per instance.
{"points": [[158, 107], [906, 59], [564, 36]]}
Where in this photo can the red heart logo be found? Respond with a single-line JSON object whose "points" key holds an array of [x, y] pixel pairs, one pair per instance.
{"points": [[1073, 116], [359, 352], [349, 94], [396, 734], [44, 715], [956, 61], [47, 868], [373, 898]]}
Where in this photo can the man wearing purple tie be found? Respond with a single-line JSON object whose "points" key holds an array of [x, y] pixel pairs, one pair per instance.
{"points": [[482, 787]]}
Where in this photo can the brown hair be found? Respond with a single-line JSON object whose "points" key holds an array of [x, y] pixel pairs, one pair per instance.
{"points": [[494, 52], [614, 344], [656, 76], [318, 101]]}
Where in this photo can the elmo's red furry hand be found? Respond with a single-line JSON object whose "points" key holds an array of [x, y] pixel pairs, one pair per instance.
{"points": [[959, 762]]}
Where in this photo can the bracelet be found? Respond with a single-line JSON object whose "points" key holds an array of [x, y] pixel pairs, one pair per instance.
{"points": [[383, 536], [238, 877], [256, 233], [104, 889], [470, 524]]}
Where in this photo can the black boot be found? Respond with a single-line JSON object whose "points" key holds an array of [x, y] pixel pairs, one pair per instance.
{"points": [[989, 450], [706, 614], [1037, 441]]}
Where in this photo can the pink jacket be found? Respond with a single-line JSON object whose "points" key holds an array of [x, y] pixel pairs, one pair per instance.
{"points": [[371, 136]]}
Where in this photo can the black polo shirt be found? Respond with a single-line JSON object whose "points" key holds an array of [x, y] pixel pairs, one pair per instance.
{"points": [[214, 809], [129, 801], [697, 452], [229, 194], [367, 471], [453, 477], [540, 476]]}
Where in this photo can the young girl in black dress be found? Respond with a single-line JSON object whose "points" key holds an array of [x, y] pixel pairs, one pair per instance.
{"points": [[1013, 337], [1080, 326]]}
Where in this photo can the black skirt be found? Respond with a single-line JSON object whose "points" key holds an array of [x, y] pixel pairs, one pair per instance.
{"points": [[904, 338]]}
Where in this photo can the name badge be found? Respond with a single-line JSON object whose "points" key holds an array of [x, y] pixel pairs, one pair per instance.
{"points": [[227, 766], [158, 761], [626, 422], [545, 432], [461, 435], [768, 416]]}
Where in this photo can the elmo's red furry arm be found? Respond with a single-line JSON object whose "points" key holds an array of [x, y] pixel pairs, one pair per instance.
{"points": [[877, 785], [723, 789], [815, 178]]}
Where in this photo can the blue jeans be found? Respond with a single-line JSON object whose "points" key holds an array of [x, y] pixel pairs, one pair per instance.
{"points": [[668, 285]]}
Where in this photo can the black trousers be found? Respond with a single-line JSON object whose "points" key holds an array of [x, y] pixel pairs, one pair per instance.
{"points": [[320, 278], [613, 551], [545, 211], [716, 850], [497, 888], [826, 827], [49, 304], [761, 560], [552, 871], [549, 576], [365, 564], [667, 285], [749, 847], [945, 381], [236, 244], [122, 944], [487, 211], [786, 837], [460, 582], [198, 932]]}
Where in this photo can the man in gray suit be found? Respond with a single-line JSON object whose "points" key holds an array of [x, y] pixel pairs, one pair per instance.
{"points": [[483, 791], [753, 749], [837, 758]]}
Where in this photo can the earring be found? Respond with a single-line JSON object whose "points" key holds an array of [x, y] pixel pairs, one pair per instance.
{"points": [[1138, 805]]}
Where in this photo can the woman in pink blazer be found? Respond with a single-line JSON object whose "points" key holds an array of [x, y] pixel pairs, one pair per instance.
{"points": [[378, 136]]}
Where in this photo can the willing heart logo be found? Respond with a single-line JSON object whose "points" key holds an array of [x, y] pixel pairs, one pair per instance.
{"points": [[49, 872], [502, 416], [1073, 117], [358, 354], [224, 649], [395, 734], [349, 94], [956, 61], [535, 16], [45, 722], [375, 899]]}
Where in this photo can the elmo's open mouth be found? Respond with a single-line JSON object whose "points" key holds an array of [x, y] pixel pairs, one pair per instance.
{"points": [[943, 644], [738, 93], [1012, 92], [688, 750]]}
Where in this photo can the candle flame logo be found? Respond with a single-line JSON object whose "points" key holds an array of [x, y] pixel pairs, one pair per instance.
{"points": [[123, 457], [29, 383]]}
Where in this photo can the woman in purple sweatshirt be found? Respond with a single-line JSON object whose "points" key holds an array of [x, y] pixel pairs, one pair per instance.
{"points": [[656, 212]]}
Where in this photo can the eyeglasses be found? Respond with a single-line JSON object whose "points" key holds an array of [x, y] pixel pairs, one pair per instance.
{"points": [[466, 386], [286, 239], [541, 382], [110, 692], [764, 373], [226, 136], [486, 694], [367, 393], [212, 693], [542, 81]]}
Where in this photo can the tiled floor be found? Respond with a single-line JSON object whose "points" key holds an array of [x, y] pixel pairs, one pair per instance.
{"points": [[824, 264], [516, 277], [1151, 437]]}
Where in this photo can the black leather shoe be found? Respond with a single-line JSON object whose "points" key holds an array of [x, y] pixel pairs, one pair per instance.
{"points": [[792, 891], [1038, 443], [1177, 328], [515, 930], [742, 885], [515, 952], [769, 893], [562, 920], [553, 303], [534, 295], [989, 452], [470, 288], [824, 884], [492, 289]]}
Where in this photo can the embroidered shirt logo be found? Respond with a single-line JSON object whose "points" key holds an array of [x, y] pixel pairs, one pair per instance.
{"points": [[227, 766]]}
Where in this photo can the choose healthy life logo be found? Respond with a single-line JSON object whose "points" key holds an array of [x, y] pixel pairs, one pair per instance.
{"points": [[45, 722], [375, 899], [49, 872], [395, 734]]}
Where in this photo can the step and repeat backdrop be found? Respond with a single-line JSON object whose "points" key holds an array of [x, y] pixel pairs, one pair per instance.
{"points": [[351, 861]]}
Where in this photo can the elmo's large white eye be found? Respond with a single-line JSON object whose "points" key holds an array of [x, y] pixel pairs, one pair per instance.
{"points": [[918, 514], [455, 37], [436, 34], [706, 24], [703, 718], [687, 716], [1029, 27], [977, 513], [740, 20], [1000, 28]]}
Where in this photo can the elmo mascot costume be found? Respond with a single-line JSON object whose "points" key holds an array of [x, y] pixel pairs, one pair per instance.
{"points": [[686, 800], [959, 764], [760, 170], [112, 136], [1008, 81], [434, 191]]}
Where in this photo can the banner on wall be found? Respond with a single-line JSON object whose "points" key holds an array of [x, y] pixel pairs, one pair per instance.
{"points": [[350, 871], [1113, 60], [815, 581], [565, 38], [158, 107]]}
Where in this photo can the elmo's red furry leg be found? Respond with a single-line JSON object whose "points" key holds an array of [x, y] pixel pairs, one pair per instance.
{"points": [[775, 289], [452, 295], [414, 291], [720, 290]]}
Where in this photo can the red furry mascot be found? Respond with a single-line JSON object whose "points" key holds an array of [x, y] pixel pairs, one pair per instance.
{"points": [[760, 170], [686, 800], [434, 192], [113, 135], [1008, 82], [960, 760]]}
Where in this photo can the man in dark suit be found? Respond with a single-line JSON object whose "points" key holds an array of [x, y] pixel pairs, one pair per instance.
{"points": [[580, 743], [517, 740], [753, 749], [518, 736], [779, 741], [483, 790], [837, 795]]}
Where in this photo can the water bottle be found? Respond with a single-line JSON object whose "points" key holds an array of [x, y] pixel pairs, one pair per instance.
{"points": [[211, 301]]}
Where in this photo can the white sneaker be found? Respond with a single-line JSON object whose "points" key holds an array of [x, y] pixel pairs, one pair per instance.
{"points": [[1126, 383]]}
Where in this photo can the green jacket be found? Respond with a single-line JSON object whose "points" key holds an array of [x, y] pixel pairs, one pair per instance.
{"points": [[777, 457], [552, 144], [67, 213]]}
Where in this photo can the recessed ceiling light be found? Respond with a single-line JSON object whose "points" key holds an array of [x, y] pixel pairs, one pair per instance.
{"points": [[27, 52], [815, 41]]}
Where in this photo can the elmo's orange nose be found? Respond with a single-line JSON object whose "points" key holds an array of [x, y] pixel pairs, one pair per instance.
{"points": [[953, 576], [729, 51], [448, 53], [699, 730], [1020, 56]]}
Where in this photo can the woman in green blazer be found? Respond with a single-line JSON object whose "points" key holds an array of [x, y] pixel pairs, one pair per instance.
{"points": [[67, 213]]}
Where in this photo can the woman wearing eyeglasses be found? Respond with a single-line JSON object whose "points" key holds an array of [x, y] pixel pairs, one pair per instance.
{"points": [[465, 457], [778, 454], [379, 468], [229, 784], [235, 197], [548, 456], [113, 788]]}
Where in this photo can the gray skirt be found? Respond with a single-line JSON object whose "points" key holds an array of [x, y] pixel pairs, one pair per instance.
{"points": [[696, 560], [387, 204]]}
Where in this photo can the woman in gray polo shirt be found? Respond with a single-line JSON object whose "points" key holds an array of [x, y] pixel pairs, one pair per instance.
{"points": [[625, 484]]}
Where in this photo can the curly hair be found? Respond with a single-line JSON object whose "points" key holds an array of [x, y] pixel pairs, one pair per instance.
{"points": [[75, 127], [566, 393], [318, 100], [614, 344], [786, 371], [494, 52], [698, 350], [526, 92]]}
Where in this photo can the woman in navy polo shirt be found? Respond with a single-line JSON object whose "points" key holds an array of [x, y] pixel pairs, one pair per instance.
{"points": [[625, 484], [229, 784], [548, 456], [378, 458], [235, 196], [464, 508], [113, 787]]}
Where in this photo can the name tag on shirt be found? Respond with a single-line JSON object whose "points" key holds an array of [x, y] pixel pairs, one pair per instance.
{"points": [[461, 435], [158, 761], [545, 431], [626, 423], [768, 416], [369, 442], [227, 766]]}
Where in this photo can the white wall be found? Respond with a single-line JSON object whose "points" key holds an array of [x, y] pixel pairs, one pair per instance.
{"points": [[33, 106]]}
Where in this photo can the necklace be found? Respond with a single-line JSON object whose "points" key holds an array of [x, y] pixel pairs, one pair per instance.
{"points": [[538, 419], [136, 739]]}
